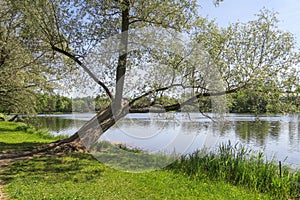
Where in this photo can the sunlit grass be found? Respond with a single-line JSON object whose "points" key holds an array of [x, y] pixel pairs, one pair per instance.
{"points": [[19, 136]]}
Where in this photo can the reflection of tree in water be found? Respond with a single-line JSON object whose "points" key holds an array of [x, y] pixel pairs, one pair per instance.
{"points": [[257, 131], [188, 126], [294, 133], [222, 127], [134, 122], [192, 127], [274, 129], [55, 124]]}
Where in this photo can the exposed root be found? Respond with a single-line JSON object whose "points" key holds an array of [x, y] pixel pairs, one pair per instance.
{"points": [[65, 146]]}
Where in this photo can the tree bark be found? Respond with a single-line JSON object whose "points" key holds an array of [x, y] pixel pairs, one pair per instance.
{"points": [[122, 60], [13, 118]]}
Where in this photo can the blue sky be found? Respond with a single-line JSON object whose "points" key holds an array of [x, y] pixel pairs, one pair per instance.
{"points": [[244, 10]]}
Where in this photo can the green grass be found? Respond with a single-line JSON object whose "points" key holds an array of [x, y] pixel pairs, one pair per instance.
{"points": [[81, 176], [130, 159], [19, 136]]}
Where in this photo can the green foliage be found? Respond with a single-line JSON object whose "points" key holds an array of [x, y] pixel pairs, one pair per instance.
{"points": [[22, 127], [240, 166], [84, 104], [26, 69], [249, 55], [27, 66], [165, 101], [101, 102], [147, 102], [57, 104], [257, 59], [263, 101]]}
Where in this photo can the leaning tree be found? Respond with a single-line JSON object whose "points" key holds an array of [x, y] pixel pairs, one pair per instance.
{"points": [[139, 44]]}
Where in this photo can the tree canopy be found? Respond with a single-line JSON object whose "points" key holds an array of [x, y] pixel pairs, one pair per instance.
{"points": [[254, 55], [26, 68]]}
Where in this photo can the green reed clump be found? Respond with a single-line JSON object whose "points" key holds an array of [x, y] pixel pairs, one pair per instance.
{"points": [[240, 166]]}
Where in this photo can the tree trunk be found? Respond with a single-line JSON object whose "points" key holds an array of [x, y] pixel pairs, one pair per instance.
{"points": [[13, 118], [122, 60], [90, 132]]}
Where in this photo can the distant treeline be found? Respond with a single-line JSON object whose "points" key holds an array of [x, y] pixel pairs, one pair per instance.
{"points": [[240, 102], [57, 103]]}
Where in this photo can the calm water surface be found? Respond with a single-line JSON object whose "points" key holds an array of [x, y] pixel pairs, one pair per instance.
{"points": [[277, 135]]}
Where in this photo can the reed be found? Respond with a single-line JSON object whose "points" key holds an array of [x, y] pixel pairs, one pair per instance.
{"points": [[241, 166]]}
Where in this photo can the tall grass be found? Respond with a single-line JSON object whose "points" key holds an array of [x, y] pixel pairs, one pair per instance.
{"points": [[241, 166]]}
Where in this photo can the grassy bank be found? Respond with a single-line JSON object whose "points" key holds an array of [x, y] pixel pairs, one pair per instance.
{"points": [[18, 136], [81, 176]]}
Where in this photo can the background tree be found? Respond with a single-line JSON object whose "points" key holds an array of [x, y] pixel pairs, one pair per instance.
{"points": [[258, 57], [26, 69]]}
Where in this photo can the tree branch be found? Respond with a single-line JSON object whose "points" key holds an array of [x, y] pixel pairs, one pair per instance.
{"points": [[150, 92], [151, 22], [74, 58], [177, 106]]}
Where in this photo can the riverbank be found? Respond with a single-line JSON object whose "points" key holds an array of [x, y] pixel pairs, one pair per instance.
{"points": [[81, 176]]}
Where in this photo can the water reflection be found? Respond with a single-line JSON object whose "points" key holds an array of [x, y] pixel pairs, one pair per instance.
{"points": [[275, 134], [257, 131], [56, 124]]}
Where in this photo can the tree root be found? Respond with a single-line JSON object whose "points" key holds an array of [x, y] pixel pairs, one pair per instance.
{"points": [[60, 147]]}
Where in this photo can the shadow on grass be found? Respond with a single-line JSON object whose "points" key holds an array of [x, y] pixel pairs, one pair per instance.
{"points": [[52, 169], [7, 129], [17, 147]]}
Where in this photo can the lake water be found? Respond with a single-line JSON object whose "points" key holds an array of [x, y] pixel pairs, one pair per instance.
{"points": [[277, 135]]}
